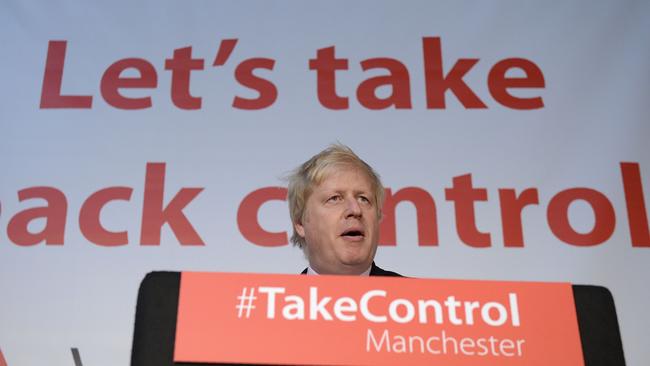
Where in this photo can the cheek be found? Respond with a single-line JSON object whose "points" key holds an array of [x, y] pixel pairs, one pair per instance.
{"points": [[375, 228], [321, 220], [315, 230], [323, 229]]}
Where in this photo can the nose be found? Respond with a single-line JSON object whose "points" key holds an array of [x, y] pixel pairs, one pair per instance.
{"points": [[352, 208]]}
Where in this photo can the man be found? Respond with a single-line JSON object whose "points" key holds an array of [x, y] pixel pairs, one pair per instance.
{"points": [[335, 202]]}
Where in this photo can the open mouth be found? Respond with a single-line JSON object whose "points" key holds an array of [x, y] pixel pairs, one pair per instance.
{"points": [[353, 233]]}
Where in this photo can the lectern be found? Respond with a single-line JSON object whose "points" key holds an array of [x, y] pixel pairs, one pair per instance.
{"points": [[156, 316]]}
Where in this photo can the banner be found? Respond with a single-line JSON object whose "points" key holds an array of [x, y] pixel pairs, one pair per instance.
{"points": [[340, 320], [511, 139]]}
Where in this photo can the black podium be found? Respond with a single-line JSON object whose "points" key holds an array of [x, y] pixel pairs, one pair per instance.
{"points": [[155, 323]]}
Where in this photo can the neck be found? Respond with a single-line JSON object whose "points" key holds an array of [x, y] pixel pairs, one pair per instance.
{"points": [[314, 270]]}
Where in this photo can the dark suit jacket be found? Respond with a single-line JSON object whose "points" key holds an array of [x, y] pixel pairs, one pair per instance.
{"points": [[375, 271]]}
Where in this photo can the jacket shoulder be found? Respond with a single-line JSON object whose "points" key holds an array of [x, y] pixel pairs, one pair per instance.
{"points": [[377, 271]]}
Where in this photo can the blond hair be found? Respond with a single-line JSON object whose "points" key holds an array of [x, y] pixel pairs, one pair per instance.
{"points": [[312, 172]]}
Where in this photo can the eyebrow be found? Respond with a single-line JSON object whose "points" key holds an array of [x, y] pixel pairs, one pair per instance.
{"points": [[356, 192]]}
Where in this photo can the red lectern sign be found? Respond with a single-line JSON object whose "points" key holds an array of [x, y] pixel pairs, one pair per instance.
{"points": [[342, 320]]}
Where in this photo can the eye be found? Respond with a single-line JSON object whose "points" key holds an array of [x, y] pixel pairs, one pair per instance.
{"points": [[335, 198], [364, 199]]}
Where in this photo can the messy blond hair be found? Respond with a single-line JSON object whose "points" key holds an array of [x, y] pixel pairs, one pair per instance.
{"points": [[311, 173]]}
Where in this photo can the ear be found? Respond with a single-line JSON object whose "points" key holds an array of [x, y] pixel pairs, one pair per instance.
{"points": [[299, 229]]}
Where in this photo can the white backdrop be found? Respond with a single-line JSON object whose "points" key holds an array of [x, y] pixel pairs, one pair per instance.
{"points": [[593, 57]]}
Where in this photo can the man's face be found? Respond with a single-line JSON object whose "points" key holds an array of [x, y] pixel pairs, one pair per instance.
{"points": [[340, 224]]}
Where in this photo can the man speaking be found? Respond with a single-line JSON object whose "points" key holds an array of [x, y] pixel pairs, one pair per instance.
{"points": [[335, 202]]}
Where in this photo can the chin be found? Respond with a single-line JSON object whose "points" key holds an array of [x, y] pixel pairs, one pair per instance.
{"points": [[357, 259]]}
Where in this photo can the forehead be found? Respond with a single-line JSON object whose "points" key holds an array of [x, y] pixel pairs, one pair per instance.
{"points": [[344, 177]]}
